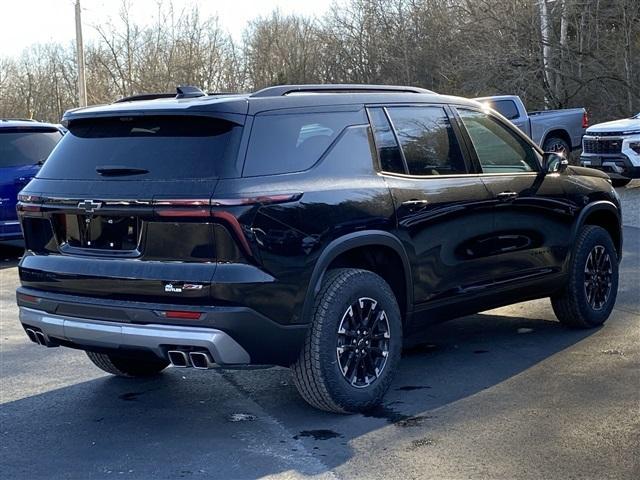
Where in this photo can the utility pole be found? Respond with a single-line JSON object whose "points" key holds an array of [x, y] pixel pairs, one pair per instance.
{"points": [[82, 85], [545, 28]]}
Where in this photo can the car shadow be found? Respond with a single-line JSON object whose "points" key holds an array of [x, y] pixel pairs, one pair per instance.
{"points": [[10, 254], [253, 423]]}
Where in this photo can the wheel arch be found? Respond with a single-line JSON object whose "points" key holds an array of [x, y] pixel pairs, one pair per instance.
{"points": [[559, 133], [605, 214], [347, 246]]}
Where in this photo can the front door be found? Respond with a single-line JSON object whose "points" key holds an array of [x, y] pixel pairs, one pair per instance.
{"points": [[533, 218], [443, 210]]}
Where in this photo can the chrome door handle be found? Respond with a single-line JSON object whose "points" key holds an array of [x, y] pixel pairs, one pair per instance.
{"points": [[506, 196], [415, 203]]}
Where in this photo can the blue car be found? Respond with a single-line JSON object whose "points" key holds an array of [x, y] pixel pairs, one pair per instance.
{"points": [[24, 146]]}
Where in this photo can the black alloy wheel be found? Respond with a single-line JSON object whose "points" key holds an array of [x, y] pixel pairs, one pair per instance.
{"points": [[598, 271], [363, 342]]}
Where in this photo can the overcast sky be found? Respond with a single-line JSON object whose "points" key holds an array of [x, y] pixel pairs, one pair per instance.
{"points": [[25, 22]]}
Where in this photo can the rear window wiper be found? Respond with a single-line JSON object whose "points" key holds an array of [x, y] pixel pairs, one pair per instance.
{"points": [[117, 170]]}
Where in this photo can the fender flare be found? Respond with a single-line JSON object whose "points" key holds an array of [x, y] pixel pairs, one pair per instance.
{"points": [[350, 241], [600, 205]]}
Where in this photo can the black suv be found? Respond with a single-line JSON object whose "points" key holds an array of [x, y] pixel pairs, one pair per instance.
{"points": [[313, 227]]}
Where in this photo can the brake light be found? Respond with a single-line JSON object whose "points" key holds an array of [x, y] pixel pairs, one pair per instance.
{"points": [[182, 315], [585, 120], [201, 207], [28, 298], [184, 212], [28, 207], [264, 199], [29, 203]]}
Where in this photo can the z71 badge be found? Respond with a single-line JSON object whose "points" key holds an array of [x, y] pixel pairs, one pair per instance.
{"points": [[179, 288]]}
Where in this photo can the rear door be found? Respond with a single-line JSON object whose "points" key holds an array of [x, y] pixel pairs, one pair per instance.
{"points": [[442, 208], [532, 215]]}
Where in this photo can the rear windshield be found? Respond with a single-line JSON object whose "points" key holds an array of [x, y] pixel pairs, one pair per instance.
{"points": [[26, 147], [144, 148]]}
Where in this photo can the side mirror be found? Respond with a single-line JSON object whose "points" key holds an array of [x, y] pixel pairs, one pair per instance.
{"points": [[554, 162]]}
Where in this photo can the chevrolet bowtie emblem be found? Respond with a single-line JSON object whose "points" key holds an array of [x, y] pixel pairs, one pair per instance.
{"points": [[89, 206]]}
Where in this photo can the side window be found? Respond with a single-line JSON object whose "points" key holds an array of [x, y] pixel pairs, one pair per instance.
{"points": [[428, 141], [388, 150], [499, 149], [287, 143], [507, 108]]}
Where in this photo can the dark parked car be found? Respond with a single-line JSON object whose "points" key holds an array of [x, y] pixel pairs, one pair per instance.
{"points": [[313, 227], [24, 146]]}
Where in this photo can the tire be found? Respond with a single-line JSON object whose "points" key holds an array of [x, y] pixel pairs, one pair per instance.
{"points": [[318, 372], [130, 367], [557, 144], [620, 182], [572, 305]]}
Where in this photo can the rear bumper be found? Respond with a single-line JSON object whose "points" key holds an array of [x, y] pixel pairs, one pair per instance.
{"points": [[232, 334], [58, 329]]}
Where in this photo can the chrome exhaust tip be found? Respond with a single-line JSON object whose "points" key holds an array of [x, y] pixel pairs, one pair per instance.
{"points": [[31, 333], [42, 340], [178, 358], [201, 360]]}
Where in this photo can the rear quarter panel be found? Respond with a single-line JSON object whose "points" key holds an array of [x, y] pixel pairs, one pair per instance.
{"points": [[340, 195]]}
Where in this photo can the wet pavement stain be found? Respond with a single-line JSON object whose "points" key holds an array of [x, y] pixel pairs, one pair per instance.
{"points": [[421, 349], [413, 421], [130, 396], [318, 434], [241, 417], [410, 388], [385, 413], [613, 351], [422, 442]]}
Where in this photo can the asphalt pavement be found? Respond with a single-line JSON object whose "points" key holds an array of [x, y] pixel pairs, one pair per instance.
{"points": [[504, 394]]}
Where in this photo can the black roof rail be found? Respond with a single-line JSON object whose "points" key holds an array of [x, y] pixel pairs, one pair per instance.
{"points": [[145, 96], [224, 94], [281, 90], [186, 91]]}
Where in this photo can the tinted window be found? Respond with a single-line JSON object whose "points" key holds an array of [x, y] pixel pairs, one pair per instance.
{"points": [[428, 141], [498, 148], [167, 147], [20, 147], [285, 143], [388, 150], [507, 108]]}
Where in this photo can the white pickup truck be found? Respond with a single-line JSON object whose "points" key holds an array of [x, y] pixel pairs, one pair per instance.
{"points": [[614, 147], [553, 130]]}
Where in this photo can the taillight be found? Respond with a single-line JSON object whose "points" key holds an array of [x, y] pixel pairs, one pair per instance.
{"points": [[263, 199], [585, 120], [181, 314], [29, 203], [185, 208], [202, 207], [28, 298]]}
